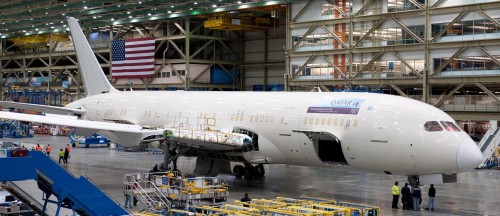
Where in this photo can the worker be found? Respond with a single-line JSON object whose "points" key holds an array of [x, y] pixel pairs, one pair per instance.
{"points": [[417, 195], [38, 148], [406, 197], [47, 150], [66, 155], [395, 195], [246, 199], [61, 156], [432, 195], [69, 150]]}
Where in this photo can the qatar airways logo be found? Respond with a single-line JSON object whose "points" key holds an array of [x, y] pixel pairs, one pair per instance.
{"points": [[345, 103], [350, 106]]}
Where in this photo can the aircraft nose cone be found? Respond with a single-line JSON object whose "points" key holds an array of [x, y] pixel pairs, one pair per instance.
{"points": [[469, 156]]}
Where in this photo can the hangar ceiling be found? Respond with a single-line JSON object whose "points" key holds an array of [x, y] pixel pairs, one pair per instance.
{"points": [[30, 17]]}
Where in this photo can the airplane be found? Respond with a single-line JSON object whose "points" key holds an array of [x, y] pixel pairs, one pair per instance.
{"points": [[367, 131]]}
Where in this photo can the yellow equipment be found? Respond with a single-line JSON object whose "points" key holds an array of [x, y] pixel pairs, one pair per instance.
{"points": [[294, 202], [262, 204], [239, 22], [319, 200]]}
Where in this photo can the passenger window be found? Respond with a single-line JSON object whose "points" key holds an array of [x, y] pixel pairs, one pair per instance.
{"points": [[450, 126], [329, 122], [432, 126], [305, 120]]}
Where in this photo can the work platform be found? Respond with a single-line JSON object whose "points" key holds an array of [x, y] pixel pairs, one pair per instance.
{"points": [[57, 185]]}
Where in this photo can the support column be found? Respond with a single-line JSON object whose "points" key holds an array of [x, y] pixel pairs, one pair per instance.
{"points": [[287, 76], [351, 55], [187, 52], [49, 98], [110, 52], [266, 72], [427, 61]]}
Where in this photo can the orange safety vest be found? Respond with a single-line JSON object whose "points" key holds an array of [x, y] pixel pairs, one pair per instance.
{"points": [[69, 149], [48, 149], [39, 148]]}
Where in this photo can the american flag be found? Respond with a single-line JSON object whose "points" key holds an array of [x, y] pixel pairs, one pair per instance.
{"points": [[133, 58]]}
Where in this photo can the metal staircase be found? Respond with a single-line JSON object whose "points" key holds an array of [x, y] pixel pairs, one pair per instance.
{"points": [[56, 185], [489, 146], [151, 197]]}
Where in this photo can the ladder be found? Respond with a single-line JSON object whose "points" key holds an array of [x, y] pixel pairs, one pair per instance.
{"points": [[489, 146], [151, 197]]}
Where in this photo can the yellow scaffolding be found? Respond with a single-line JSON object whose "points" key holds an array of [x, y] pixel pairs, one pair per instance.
{"points": [[366, 209], [336, 210], [293, 201], [309, 211], [262, 204], [319, 200], [240, 210]]}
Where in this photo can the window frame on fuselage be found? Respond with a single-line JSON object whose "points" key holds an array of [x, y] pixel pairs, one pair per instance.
{"points": [[434, 128]]}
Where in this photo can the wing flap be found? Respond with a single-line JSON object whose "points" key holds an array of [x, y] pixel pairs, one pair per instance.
{"points": [[41, 108]]}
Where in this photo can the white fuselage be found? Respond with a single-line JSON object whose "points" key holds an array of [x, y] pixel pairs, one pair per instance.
{"points": [[377, 132]]}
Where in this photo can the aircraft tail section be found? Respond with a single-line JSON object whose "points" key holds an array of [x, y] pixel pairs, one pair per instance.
{"points": [[93, 76]]}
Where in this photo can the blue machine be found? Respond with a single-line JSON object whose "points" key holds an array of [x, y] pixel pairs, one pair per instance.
{"points": [[95, 139], [15, 129], [78, 194]]}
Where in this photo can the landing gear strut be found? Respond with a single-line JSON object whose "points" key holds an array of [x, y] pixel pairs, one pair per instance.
{"points": [[414, 181], [249, 171]]}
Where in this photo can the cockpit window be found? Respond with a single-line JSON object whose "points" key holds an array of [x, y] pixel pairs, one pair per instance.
{"points": [[450, 126], [432, 126]]}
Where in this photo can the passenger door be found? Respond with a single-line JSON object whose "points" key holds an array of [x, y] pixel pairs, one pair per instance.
{"points": [[382, 120]]}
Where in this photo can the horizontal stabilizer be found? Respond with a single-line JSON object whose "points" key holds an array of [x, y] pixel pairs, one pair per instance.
{"points": [[41, 108]]}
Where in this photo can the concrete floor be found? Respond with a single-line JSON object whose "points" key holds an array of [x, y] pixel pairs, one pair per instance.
{"points": [[476, 193]]}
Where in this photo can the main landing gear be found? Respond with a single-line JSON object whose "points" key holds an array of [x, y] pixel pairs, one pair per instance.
{"points": [[249, 171]]}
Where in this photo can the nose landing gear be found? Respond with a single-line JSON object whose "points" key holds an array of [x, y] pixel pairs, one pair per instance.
{"points": [[249, 171]]}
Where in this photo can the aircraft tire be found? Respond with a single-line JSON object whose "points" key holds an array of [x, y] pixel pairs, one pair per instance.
{"points": [[238, 171], [259, 171], [248, 172]]}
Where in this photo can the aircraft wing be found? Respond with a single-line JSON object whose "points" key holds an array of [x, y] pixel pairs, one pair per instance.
{"points": [[124, 134], [41, 108]]}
